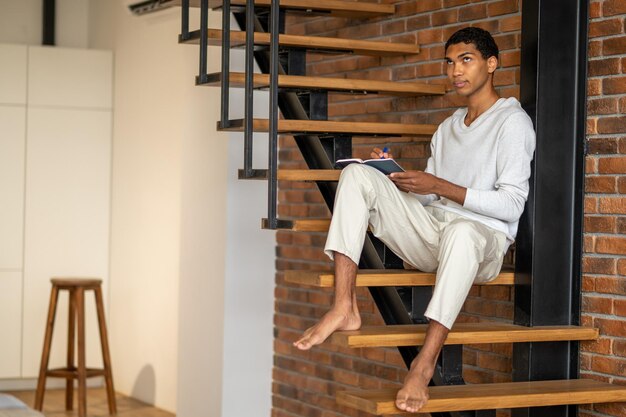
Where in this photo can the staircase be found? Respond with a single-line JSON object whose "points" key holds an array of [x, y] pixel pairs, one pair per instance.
{"points": [[303, 102]]}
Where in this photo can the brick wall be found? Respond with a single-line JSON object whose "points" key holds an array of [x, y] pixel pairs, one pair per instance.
{"points": [[604, 261], [305, 382]]}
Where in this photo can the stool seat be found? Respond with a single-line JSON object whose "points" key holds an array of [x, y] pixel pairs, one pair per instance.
{"points": [[76, 282], [76, 288]]}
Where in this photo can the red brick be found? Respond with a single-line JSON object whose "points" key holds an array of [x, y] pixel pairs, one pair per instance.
{"points": [[601, 345], [603, 146], [397, 26], [602, 184], [594, 87], [506, 41], [616, 85], [619, 307], [613, 165], [613, 409], [430, 36], [614, 46], [502, 7], [591, 205], [621, 225], [619, 347], [595, 265], [429, 69], [612, 124], [504, 77], [610, 285], [613, 7], [599, 305], [600, 224], [473, 12], [611, 245], [604, 66], [605, 28], [426, 5], [602, 106], [452, 3], [418, 22], [595, 9], [611, 327], [445, 17], [591, 165], [622, 105], [510, 24], [492, 26], [594, 48], [510, 59], [606, 365]]}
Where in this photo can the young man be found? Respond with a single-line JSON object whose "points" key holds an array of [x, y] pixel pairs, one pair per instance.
{"points": [[458, 217]]}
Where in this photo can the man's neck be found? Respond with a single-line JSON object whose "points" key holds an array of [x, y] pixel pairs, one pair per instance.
{"points": [[479, 103]]}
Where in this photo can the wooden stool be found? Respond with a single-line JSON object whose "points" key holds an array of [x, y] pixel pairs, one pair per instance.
{"points": [[76, 288]]}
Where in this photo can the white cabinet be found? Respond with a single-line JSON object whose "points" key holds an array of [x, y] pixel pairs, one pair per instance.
{"points": [[12, 145], [13, 65], [55, 170], [10, 324]]}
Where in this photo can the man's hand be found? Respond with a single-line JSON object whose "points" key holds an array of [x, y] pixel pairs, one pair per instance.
{"points": [[384, 153], [419, 182]]}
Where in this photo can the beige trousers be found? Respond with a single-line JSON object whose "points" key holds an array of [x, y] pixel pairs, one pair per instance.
{"points": [[462, 251]]}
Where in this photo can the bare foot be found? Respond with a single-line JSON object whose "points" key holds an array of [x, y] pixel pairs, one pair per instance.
{"points": [[335, 319], [414, 394]]}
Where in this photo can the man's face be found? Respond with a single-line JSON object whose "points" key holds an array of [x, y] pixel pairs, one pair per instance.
{"points": [[467, 70]]}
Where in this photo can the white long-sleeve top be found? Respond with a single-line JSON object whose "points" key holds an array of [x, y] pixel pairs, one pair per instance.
{"points": [[491, 158]]}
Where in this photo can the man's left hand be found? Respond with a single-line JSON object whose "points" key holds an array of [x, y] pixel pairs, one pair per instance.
{"points": [[420, 182], [417, 182]]}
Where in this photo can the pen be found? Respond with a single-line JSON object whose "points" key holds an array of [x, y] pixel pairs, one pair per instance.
{"points": [[385, 150]]}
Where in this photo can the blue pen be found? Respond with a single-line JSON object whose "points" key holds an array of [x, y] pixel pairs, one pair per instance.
{"points": [[385, 150]]}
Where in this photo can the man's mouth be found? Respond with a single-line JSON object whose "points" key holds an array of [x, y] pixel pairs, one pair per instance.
{"points": [[459, 84]]}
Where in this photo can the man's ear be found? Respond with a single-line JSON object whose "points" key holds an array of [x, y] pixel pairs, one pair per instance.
{"points": [[492, 64]]}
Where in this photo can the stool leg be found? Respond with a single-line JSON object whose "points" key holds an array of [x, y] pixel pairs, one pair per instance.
{"points": [[82, 369], [71, 329], [45, 356], [106, 356]]}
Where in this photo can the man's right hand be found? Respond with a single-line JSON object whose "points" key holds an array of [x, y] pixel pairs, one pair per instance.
{"points": [[384, 153]]}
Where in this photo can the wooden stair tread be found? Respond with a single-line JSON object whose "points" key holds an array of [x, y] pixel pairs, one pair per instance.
{"points": [[322, 43], [491, 396], [308, 174], [301, 225], [331, 126], [381, 278], [462, 333], [354, 9], [237, 79]]}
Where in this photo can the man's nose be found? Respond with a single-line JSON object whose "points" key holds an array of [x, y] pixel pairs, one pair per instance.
{"points": [[457, 69]]}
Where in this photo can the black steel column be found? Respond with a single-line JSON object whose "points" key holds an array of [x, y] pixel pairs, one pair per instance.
{"points": [[549, 244], [49, 17]]}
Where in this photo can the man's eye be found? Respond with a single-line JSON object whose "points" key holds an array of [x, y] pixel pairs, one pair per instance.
{"points": [[448, 62], [467, 59]]}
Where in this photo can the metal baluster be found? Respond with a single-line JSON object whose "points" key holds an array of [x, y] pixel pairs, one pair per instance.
{"points": [[225, 120], [184, 21], [204, 22], [273, 128], [249, 91]]}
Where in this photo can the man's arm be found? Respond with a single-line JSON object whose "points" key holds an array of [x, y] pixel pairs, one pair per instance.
{"points": [[419, 182]]}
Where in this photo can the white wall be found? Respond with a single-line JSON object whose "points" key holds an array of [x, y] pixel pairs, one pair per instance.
{"points": [[21, 22], [173, 174], [192, 274]]}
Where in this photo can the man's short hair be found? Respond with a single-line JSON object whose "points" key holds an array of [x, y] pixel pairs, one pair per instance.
{"points": [[479, 37]]}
